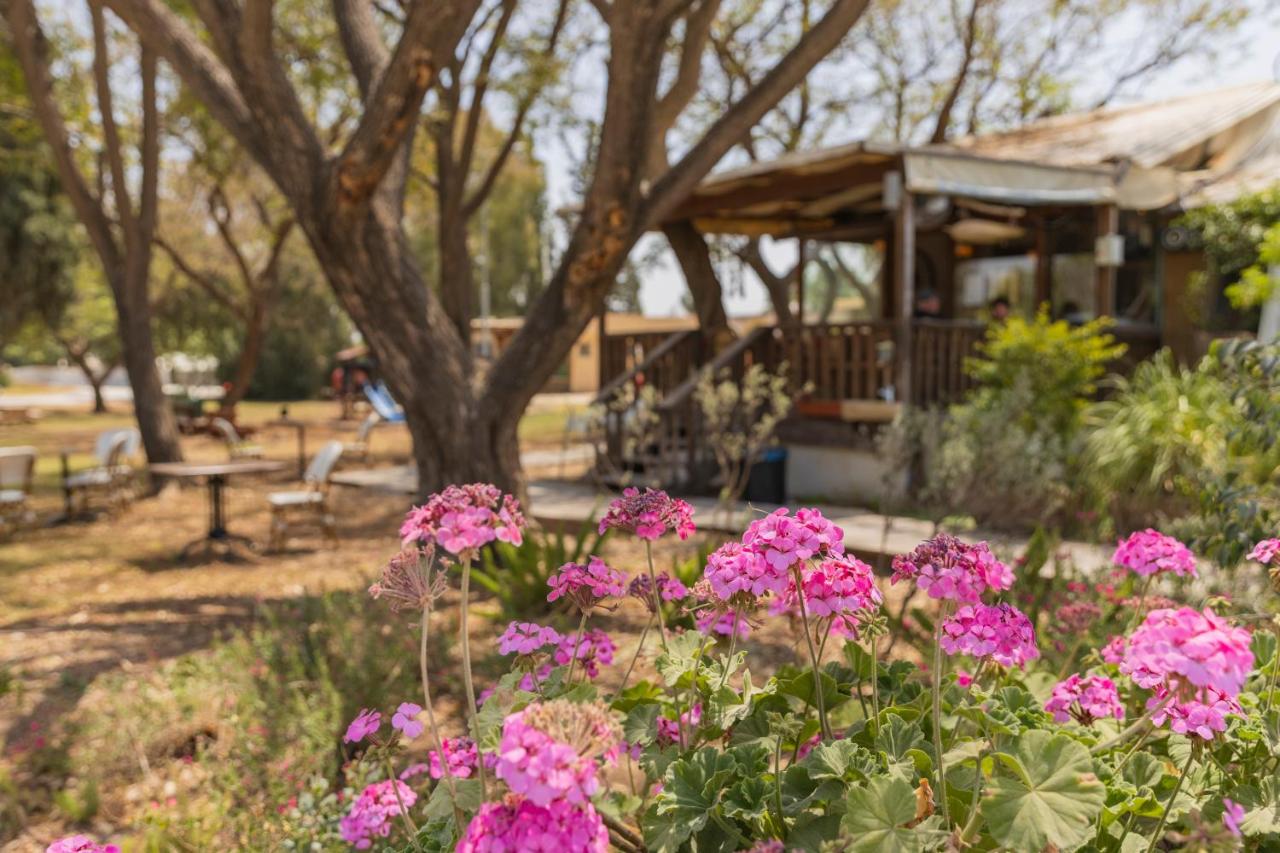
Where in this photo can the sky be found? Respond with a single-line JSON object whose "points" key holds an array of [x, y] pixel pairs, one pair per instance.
{"points": [[1254, 56]]}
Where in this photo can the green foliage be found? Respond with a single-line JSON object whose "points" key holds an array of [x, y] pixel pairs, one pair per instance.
{"points": [[1046, 795], [517, 575], [739, 419], [1240, 240], [1060, 362]]}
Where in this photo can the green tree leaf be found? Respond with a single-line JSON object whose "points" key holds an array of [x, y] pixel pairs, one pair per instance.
{"points": [[1047, 794]]}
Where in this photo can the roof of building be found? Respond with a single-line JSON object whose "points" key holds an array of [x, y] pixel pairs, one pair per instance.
{"points": [[1182, 152]]}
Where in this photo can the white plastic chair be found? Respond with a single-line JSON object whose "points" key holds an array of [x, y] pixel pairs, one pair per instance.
{"points": [[17, 467], [359, 448], [110, 475], [310, 504], [237, 447]]}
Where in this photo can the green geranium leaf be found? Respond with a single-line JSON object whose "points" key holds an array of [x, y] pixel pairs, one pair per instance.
{"points": [[897, 737], [1046, 795], [692, 788], [840, 759], [440, 805], [640, 725], [877, 815], [681, 656]]}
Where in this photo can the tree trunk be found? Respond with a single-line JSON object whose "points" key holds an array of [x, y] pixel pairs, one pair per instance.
{"points": [[690, 249], [155, 418], [456, 280], [255, 335]]}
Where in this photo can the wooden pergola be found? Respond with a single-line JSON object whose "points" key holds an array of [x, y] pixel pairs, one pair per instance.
{"points": [[896, 196]]}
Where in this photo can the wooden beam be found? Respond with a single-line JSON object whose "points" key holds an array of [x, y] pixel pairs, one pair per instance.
{"points": [[781, 187], [1044, 264], [1107, 222], [904, 275]]}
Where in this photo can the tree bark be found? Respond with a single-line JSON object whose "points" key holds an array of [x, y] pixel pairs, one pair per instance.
{"points": [[691, 251], [126, 260]]}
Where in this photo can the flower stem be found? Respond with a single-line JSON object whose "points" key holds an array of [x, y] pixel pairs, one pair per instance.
{"points": [[1164, 817], [819, 700], [467, 682], [733, 644], [643, 635], [875, 680], [1142, 600], [577, 647], [1132, 730], [937, 721], [404, 812], [431, 715], [653, 580]]}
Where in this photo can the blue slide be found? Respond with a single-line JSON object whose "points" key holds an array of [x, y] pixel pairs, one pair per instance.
{"points": [[384, 404]]}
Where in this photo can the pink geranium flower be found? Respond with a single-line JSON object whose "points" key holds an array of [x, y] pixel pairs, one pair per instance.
{"points": [[784, 541], [946, 568], [461, 519], [374, 811], [1000, 632], [1085, 699], [593, 650], [80, 844], [841, 586], [517, 824], [733, 569], [669, 589], [1185, 650], [1265, 551], [405, 720], [1204, 714], [669, 730], [1113, 651], [586, 585], [722, 622], [460, 756], [541, 768], [1232, 815], [648, 514], [365, 724], [526, 638], [1149, 552]]}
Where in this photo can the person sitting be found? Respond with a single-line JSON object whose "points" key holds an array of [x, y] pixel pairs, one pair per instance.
{"points": [[928, 305], [999, 308]]}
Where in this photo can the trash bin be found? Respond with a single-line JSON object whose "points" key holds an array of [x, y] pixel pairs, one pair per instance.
{"points": [[767, 482]]}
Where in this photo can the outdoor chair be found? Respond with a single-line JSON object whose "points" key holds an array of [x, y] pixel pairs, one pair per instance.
{"points": [[237, 447], [308, 505], [358, 449], [17, 466], [111, 478]]}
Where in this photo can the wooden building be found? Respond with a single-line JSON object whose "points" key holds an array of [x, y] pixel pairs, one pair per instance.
{"points": [[1073, 211]]}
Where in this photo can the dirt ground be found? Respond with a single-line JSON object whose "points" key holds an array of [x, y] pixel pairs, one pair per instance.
{"points": [[78, 599]]}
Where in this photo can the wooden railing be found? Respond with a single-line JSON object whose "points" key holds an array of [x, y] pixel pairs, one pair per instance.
{"points": [[835, 362]]}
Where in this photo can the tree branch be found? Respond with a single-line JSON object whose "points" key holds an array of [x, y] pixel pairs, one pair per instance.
{"points": [[33, 55], [480, 87], [110, 132], [942, 126], [202, 280], [431, 33], [736, 121]]}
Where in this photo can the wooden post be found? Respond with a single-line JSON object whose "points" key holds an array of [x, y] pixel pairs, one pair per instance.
{"points": [[800, 262], [1104, 292], [904, 280], [1044, 264]]}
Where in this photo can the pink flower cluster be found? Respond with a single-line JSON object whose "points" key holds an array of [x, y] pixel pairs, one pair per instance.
{"points": [[946, 568], [734, 568], [1149, 552], [784, 541], [462, 519], [1187, 649], [669, 589], [373, 812], [517, 824], [1195, 662], [586, 585], [648, 514], [80, 844], [594, 650], [1203, 715], [526, 638], [1085, 699], [838, 586], [405, 720], [460, 757], [722, 622], [1265, 551], [999, 631], [1113, 651], [542, 769], [669, 730]]}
